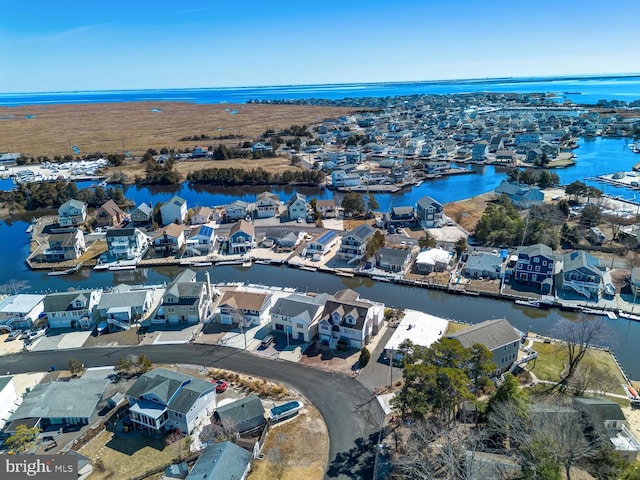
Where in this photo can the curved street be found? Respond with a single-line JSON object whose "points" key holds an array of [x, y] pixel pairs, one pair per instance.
{"points": [[351, 412]]}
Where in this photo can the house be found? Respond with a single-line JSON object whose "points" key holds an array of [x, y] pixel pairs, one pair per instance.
{"points": [[201, 240], [142, 215], [222, 461], [69, 404], [244, 307], [507, 156], [429, 212], [126, 243], [242, 237], [241, 416], [635, 281], [169, 240], [321, 244], [8, 398], [327, 208], [200, 152], [267, 205], [597, 236], [354, 244], [109, 215], [479, 151], [72, 213], [162, 400], [262, 147], [124, 305], [186, 300], [65, 246], [535, 266], [433, 260], [500, 338], [522, 196], [21, 310], [393, 259], [340, 178], [201, 216], [174, 210], [436, 166], [582, 274], [71, 309], [483, 265], [297, 207], [297, 315], [402, 215], [420, 328], [349, 320], [237, 210], [607, 420]]}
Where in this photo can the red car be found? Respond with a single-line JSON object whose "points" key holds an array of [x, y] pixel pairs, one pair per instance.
{"points": [[221, 385]]}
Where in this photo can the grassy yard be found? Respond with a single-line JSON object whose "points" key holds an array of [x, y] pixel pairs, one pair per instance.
{"points": [[127, 455]]}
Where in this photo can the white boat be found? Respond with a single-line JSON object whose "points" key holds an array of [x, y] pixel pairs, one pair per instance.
{"points": [[202, 264], [115, 268], [287, 410]]}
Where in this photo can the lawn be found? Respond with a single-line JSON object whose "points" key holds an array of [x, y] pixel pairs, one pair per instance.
{"points": [[127, 455]]}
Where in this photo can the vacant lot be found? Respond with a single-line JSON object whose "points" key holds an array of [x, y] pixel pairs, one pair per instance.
{"points": [[135, 127], [466, 213]]}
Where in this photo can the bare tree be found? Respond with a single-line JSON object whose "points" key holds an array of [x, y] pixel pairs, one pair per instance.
{"points": [[616, 222], [594, 379], [14, 287]]}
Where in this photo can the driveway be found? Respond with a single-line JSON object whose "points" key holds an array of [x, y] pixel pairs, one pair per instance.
{"points": [[352, 414]]}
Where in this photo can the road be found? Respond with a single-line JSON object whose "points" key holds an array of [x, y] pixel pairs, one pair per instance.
{"points": [[351, 412]]}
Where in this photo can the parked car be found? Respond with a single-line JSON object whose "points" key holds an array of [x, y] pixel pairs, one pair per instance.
{"points": [[268, 340], [221, 385], [31, 335], [13, 334]]}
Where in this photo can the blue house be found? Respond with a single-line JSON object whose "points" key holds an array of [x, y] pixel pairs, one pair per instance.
{"points": [[582, 274], [535, 266], [522, 196]]}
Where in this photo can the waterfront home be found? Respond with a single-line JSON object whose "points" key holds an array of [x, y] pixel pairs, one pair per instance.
{"points": [[267, 205], [200, 216], [162, 400], [479, 151], [582, 274], [241, 237], [297, 207], [237, 210], [71, 309], [174, 210], [522, 196], [482, 265], [506, 156], [21, 310], [297, 315], [394, 260], [109, 215], [241, 416], [124, 304], [321, 243], [420, 328], [222, 461], [354, 244], [340, 178], [402, 216], [349, 320], [500, 338], [284, 240], [126, 243], [169, 240], [433, 260], [65, 246], [8, 159], [244, 307], [535, 266], [527, 137], [69, 404], [186, 300], [437, 166], [201, 240], [429, 212], [327, 208], [8, 398], [142, 215], [72, 213]]}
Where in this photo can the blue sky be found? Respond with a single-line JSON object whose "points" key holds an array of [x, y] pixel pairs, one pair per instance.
{"points": [[116, 44]]}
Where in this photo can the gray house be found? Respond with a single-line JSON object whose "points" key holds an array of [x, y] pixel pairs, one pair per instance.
{"points": [[241, 416], [393, 259], [222, 461], [429, 212], [482, 265]]}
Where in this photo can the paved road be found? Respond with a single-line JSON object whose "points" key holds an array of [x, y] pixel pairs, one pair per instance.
{"points": [[352, 414]]}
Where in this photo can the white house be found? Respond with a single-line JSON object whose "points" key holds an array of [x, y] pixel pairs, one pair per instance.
{"points": [[22, 310], [267, 205], [297, 315], [8, 399], [174, 211], [433, 260], [72, 213], [71, 309], [237, 210], [126, 243], [321, 244], [169, 239], [245, 307], [187, 300], [340, 178], [201, 240], [297, 207], [65, 246], [201, 216]]}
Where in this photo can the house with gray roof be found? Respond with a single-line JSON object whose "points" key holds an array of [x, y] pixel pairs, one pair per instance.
{"points": [[72, 213], [321, 244], [297, 207], [242, 237], [482, 265], [297, 315], [393, 259], [500, 338], [65, 246], [267, 205], [582, 274], [123, 305], [242, 415], [186, 300], [354, 244], [22, 310], [222, 461], [521, 196], [142, 215], [71, 309], [162, 400], [126, 243], [174, 210], [237, 210], [429, 212], [348, 319]]}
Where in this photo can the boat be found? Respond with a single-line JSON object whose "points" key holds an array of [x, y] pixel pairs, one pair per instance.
{"points": [[202, 264], [612, 315], [284, 411], [308, 269], [262, 262], [116, 268], [418, 183], [632, 391], [380, 279], [246, 264], [533, 303], [73, 269]]}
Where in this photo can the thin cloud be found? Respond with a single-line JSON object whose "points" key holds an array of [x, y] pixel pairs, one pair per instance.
{"points": [[195, 10], [62, 34]]}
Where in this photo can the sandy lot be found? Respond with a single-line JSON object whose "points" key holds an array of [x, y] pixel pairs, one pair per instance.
{"points": [[117, 127]]}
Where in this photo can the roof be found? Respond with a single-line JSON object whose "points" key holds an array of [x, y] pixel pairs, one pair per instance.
{"points": [[21, 303], [490, 333], [122, 232], [135, 298], [536, 249], [64, 239], [400, 211], [240, 411], [392, 256], [171, 230], [205, 211], [325, 238], [483, 261], [580, 259], [205, 231], [177, 391], [295, 198], [362, 232], [59, 302], [111, 208], [4, 381], [426, 202], [346, 302], [145, 208], [601, 409], [175, 201], [433, 256], [300, 306], [421, 328], [268, 195], [243, 300], [222, 461], [330, 203], [73, 203], [242, 225]]}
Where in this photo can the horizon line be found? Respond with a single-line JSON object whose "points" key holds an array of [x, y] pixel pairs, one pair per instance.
{"points": [[452, 80]]}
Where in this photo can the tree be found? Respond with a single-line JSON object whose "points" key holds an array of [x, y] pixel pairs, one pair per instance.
{"points": [[143, 364], [376, 242], [427, 241], [123, 366], [372, 203], [14, 287], [460, 246], [480, 365], [75, 367], [591, 215], [365, 355], [22, 438], [576, 189], [353, 204]]}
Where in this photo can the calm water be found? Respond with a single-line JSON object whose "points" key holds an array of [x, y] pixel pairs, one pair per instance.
{"points": [[578, 89]]}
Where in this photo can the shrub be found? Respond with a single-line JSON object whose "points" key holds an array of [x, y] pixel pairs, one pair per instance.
{"points": [[365, 356]]}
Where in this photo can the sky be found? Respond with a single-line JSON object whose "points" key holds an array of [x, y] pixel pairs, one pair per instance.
{"points": [[139, 44]]}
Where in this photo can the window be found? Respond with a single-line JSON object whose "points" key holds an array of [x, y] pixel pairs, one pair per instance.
{"points": [[300, 325], [537, 269], [536, 260]]}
